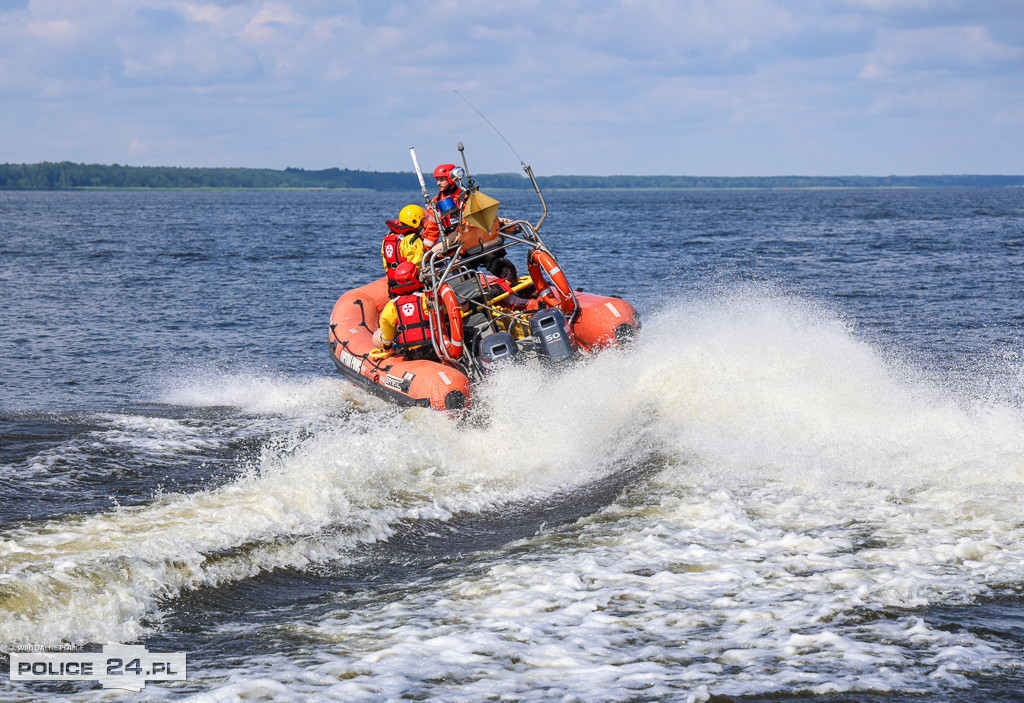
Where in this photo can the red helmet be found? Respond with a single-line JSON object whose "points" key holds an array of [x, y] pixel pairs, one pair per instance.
{"points": [[407, 279], [443, 170]]}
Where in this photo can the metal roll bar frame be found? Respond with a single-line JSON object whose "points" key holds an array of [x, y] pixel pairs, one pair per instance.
{"points": [[457, 262]]}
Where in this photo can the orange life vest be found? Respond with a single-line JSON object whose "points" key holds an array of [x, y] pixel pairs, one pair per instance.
{"points": [[455, 192], [431, 232]]}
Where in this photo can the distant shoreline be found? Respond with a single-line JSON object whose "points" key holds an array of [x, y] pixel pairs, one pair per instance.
{"points": [[66, 175]]}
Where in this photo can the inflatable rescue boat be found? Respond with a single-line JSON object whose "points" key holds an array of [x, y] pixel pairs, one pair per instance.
{"points": [[482, 315]]}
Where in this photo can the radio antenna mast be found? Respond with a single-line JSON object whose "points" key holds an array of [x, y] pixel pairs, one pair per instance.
{"points": [[527, 169], [521, 162]]}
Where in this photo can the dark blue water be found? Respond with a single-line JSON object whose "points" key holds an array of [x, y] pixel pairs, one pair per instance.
{"points": [[824, 409], [103, 290]]}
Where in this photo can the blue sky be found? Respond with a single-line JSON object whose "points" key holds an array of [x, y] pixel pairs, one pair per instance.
{"points": [[693, 87]]}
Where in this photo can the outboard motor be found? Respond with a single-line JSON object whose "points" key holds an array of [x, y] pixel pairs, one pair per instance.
{"points": [[551, 333], [497, 350]]}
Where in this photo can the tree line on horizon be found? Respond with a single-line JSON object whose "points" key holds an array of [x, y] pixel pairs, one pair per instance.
{"points": [[66, 175]]}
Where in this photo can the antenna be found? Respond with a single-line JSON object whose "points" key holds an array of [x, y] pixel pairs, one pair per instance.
{"points": [[521, 162], [527, 169]]}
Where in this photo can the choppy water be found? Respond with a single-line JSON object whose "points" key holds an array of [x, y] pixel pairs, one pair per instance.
{"points": [[805, 478]]}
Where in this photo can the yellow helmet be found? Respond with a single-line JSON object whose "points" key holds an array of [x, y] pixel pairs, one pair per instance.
{"points": [[412, 216]]}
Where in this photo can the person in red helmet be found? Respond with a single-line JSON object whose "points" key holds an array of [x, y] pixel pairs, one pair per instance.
{"points": [[447, 187], [404, 323], [404, 242]]}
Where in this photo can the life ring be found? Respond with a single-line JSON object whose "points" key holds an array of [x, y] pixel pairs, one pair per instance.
{"points": [[452, 340], [557, 295]]}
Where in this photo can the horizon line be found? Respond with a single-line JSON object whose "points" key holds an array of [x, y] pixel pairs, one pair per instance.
{"points": [[516, 173]]}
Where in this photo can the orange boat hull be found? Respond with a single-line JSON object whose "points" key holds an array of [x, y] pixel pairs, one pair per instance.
{"points": [[603, 321], [418, 383]]}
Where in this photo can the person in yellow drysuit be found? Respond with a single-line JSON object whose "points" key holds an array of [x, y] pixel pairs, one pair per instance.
{"points": [[404, 242], [404, 323]]}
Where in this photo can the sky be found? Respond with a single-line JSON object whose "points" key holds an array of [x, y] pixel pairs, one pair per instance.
{"points": [[594, 87]]}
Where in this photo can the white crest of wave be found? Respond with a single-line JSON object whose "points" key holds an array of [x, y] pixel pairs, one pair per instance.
{"points": [[256, 392], [752, 381], [314, 495]]}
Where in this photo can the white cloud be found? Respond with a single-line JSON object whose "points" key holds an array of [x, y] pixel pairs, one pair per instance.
{"points": [[898, 6], [55, 31], [270, 24], [211, 14], [941, 48], [872, 71], [929, 101], [227, 82]]}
